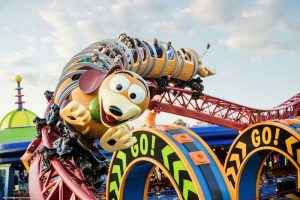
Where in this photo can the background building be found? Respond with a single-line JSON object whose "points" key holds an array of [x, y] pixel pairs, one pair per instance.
{"points": [[16, 132]]}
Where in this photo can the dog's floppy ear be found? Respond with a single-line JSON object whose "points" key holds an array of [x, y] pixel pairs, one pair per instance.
{"points": [[90, 80], [113, 69]]}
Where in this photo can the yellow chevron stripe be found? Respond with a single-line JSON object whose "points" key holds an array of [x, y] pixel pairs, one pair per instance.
{"points": [[289, 142], [231, 171], [236, 157], [243, 147]]}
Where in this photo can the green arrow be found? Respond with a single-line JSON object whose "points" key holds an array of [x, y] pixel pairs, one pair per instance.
{"points": [[117, 169], [122, 156], [166, 151], [113, 186], [178, 166], [188, 186]]}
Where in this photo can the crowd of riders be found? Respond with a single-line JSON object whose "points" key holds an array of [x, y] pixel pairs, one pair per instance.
{"points": [[134, 45]]}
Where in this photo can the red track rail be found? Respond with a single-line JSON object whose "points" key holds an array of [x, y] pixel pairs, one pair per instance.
{"points": [[218, 111]]}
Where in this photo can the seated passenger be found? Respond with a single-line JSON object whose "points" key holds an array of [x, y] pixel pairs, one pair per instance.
{"points": [[101, 47], [170, 51], [92, 59], [186, 55], [104, 50], [150, 49], [130, 44], [157, 48], [122, 37], [179, 54], [85, 59], [95, 58], [117, 59], [141, 48]]}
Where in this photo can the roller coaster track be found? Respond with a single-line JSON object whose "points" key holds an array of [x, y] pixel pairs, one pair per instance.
{"points": [[175, 76], [54, 177], [218, 111]]}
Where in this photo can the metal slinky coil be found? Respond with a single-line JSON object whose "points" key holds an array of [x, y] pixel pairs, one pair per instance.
{"points": [[141, 59]]}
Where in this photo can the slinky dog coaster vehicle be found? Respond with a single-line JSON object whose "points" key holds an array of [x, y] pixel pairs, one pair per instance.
{"points": [[109, 83]]}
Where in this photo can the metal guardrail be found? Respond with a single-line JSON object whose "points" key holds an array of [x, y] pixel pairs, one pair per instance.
{"points": [[163, 195], [269, 188]]}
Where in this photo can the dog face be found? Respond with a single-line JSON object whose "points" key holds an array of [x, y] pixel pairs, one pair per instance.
{"points": [[123, 96]]}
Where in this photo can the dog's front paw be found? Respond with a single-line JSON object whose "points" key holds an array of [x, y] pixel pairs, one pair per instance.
{"points": [[77, 115], [115, 139]]}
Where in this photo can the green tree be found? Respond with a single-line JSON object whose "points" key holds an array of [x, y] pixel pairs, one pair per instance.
{"points": [[180, 122]]}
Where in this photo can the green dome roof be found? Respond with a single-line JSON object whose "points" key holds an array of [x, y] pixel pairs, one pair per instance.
{"points": [[13, 135], [17, 118], [17, 125]]}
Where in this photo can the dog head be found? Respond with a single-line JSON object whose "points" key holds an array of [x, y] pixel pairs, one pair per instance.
{"points": [[122, 95]]}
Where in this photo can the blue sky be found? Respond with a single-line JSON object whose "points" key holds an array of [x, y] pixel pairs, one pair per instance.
{"points": [[255, 45]]}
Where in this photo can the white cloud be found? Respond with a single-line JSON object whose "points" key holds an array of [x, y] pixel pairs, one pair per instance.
{"points": [[169, 27], [66, 28], [31, 65], [6, 77], [28, 38], [256, 58], [75, 26], [214, 11], [63, 37], [257, 43], [20, 58], [229, 73], [266, 25], [180, 13], [91, 30], [44, 80]]}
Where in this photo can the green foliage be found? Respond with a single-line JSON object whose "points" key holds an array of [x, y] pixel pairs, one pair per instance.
{"points": [[180, 122]]}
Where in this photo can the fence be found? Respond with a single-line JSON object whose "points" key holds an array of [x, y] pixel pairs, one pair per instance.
{"points": [[163, 195]]}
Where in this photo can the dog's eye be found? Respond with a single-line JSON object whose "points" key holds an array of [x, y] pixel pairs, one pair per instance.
{"points": [[136, 94], [119, 83]]}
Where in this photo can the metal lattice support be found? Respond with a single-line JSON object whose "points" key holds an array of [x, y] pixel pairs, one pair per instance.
{"points": [[218, 111], [54, 178]]}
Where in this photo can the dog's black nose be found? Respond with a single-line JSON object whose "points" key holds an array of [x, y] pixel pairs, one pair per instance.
{"points": [[115, 110]]}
